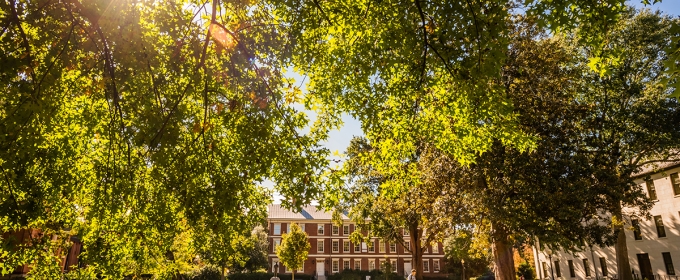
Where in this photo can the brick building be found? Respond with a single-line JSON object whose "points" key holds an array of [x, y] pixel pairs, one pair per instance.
{"points": [[332, 252]]}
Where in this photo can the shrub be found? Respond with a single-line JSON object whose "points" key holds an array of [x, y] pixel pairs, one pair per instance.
{"points": [[526, 270], [266, 276]]}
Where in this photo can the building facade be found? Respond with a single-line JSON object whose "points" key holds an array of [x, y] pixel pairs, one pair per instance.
{"points": [[653, 245], [332, 252]]}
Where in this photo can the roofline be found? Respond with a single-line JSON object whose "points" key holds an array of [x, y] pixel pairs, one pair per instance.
{"points": [[653, 171]]}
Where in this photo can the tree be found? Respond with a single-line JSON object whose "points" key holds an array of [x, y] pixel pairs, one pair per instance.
{"points": [[631, 122], [294, 248], [120, 120], [426, 212], [469, 247]]}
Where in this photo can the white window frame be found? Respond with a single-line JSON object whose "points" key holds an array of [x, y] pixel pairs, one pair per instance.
{"points": [[381, 246], [371, 247], [302, 226], [394, 266], [346, 265], [335, 249], [406, 233], [345, 230], [393, 247], [426, 265], [355, 264], [277, 243], [371, 265], [275, 229], [407, 246], [335, 266], [435, 248], [357, 247], [345, 246], [435, 265], [320, 229], [383, 263], [335, 230], [319, 249]]}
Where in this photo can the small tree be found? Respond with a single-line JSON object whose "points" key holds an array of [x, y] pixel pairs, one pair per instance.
{"points": [[293, 249]]}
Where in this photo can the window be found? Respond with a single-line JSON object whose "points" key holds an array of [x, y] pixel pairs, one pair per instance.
{"points": [[382, 265], [345, 230], [571, 269], [669, 263], [545, 268], [636, 229], [435, 265], [336, 246], [394, 266], [603, 265], [675, 181], [371, 265], [345, 265], [336, 266], [357, 247], [586, 267], [345, 246], [371, 247], [406, 233], [277, 229], [435, 248], [335, 230], [393, 247], [357, 264], [382, 246], [319, 229], [660, 230], [558, 272], [407, 245], [302, 227], [425, 250], [277, 242], [319, 246], [651, 190], [426, 266]]}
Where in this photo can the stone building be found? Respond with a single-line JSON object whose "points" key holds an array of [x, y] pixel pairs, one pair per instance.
{"points": [[653, 245]]}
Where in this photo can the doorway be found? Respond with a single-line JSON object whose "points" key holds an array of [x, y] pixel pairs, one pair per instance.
{"points": [[407, 268]]}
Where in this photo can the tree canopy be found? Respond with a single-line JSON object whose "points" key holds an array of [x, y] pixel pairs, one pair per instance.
{"points": [[133, 123]]}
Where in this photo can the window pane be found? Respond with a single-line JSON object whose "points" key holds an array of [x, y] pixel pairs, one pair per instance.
{"points": [[436, 265], [668, 261], [335, 230], [345, 246], [345, 265], [371, 265], [345, 229], [586, 267], [660, 230], [336, 267], [394, 266], [603, 265], [426, 266], [393, 247], [651, 190], [435, 248], [571, 269], [336, 246], [319, 246], [277, 229], [558, 272], [357, 265], [675, 181], [357, 247], [636, 230]]}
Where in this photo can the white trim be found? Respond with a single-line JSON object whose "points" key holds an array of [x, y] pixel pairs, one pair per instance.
{"points": [[355, 264], [335, 227], [322, 246], [332, 263], [428, 265], [349, 246], [333, 243]]}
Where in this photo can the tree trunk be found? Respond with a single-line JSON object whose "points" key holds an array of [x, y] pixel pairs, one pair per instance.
{"points": [[292, 275], [416, 251], [621, 248], [222, 274], [504, 264]]}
